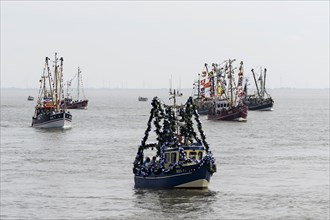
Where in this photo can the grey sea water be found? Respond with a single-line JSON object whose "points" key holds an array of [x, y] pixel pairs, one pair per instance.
{"points": [[274, 166]]}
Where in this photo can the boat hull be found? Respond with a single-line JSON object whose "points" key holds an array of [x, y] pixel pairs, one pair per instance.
{"points": [[261, 104], [77, 104], [143, 99], [261, 107], [30, 98], [238, 113], [178, 178], [58, 120]]}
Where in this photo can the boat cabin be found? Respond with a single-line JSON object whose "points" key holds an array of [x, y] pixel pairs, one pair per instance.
{"points": [[195, 153], [222, 104]]}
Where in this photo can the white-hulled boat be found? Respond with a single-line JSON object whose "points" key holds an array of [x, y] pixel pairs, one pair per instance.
{"points": [[48, 112]]}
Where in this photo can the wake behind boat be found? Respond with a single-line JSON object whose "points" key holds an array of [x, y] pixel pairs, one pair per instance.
{"points": [[48, 113], [182, 159]]}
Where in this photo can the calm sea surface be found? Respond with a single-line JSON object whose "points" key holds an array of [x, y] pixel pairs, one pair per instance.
{"points": [[274, 166]]}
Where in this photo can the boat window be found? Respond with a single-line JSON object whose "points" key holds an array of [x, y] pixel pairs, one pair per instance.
{"points": [[167, 158], [192, 155], [173, 157], [200, 155]]}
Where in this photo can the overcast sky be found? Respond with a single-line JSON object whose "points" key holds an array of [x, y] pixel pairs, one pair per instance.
{"points": [[140, 44]]}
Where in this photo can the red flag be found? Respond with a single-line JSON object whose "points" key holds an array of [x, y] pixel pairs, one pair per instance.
{"points": [[206, 85]]}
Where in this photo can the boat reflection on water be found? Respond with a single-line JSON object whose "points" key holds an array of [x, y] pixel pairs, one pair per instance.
{"points": [[176, 203]]}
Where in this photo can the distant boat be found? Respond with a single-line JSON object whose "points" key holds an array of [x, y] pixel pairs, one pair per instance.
{"points": [[73, 99], [48, 113], [222, 98], [30, 98], [142, 99], [182, 159], [261, 100]]}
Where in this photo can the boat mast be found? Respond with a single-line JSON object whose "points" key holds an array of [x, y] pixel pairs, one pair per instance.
{"points": [[261, 83], [255, 81], [240, 75], [240, 81], [174, 94], [231, 81], [44, 82], [216, 73], [60, 82], [78, 82], [199, 86], [264, 82], [207, 73], [50, 82], [56, 83]]}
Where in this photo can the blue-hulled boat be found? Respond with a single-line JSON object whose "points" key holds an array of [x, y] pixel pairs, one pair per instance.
{"points": [[182, 158]]}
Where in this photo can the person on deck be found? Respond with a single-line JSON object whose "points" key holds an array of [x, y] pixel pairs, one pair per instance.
{"points": [[146, 162], [153, 162]]}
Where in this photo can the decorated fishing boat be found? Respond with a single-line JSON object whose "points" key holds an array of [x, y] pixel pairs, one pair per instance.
{"points": [[75, 97], [227, 103], [142, 99], [182, 158], [261, 100], [48, 112], [204, 93]]}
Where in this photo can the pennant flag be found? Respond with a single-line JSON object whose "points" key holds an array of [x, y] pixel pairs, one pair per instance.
{"points": [[207, 85]]}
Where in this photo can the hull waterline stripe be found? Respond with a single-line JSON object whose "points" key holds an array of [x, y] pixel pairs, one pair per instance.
{"points": [[162, 177]]}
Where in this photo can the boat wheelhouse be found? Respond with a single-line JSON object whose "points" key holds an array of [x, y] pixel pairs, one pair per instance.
{"points": [[222, 110]]}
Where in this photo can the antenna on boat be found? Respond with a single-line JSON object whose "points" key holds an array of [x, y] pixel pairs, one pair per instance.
{"points": [[173, 94]]}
